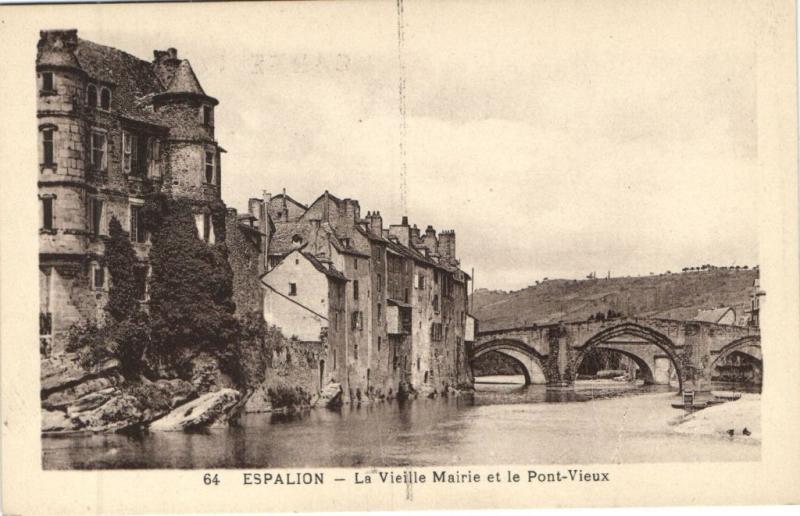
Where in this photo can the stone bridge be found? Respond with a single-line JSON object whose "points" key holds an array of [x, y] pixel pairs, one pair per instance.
{"points": [[551, 354]]}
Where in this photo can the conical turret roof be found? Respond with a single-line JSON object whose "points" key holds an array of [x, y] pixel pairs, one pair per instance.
{"points": [[185, 81]]}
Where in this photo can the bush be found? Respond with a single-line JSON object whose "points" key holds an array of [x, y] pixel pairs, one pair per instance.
{"points": [[283, 396], [91, 342], [150, 396]]}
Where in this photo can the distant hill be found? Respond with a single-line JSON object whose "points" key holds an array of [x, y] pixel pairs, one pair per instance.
{"points": [[669, 295]]}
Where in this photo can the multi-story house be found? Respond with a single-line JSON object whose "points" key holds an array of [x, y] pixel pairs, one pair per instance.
{"points": [[404, 297], [112, 127]]}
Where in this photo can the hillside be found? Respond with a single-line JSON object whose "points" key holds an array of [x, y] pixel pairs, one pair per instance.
{"points": [[674, 296]]}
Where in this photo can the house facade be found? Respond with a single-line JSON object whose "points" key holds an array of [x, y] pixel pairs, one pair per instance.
{"points": [[404, 301]]}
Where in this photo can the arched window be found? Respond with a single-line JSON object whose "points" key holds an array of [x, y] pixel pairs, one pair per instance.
{"points": [[91, 96], [105, 99]]}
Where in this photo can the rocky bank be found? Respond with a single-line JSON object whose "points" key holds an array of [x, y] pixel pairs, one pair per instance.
{"points": [[99, 399]]}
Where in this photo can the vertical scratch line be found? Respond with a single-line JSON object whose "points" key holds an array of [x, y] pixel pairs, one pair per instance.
{"points": [[402, 106]]}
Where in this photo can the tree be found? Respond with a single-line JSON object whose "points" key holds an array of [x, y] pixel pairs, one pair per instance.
{"points": [[191, 305]]}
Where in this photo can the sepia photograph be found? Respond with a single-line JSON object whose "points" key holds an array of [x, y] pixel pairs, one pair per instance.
{"points": [[388, 236]]}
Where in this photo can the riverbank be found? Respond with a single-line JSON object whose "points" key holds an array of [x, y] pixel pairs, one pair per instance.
{"points": [[485, 429], [729, 420]]}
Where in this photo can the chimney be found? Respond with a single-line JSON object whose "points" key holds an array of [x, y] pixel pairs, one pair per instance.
{"points": [[263, 219], [161, 56], [352, 211], [57, 48], [165, 62], [429, 240], [285, 216], [447, 245], [375, 223], [401, 232], [415, 234]]}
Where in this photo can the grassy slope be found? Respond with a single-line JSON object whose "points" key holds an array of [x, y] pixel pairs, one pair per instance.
{"points": [[675, 296]]}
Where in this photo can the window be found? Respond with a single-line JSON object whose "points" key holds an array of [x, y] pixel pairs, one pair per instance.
{"points": [[91, 96], [209, 167], [47, 213], [138, 233], [154, 156], [436, 277], [47, 82], [140, 273], [436, 331], [380, 282], [207, 116], [355, 351], [47, 147], [98, 150], [380, 310], [98, 278], [394, 361], [379, 344], [436, 303], [130, 153], [405, 296], [356, 321], [292, 289], [418, 363], [355, 289], [94, 215], [420, 281], [105, 99], [355, 263]]}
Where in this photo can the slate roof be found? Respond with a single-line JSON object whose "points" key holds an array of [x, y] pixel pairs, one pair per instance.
{"points": [[185, 81], [331, 273], [281, 241], [290, 199], [713, 315], [134, 81]]}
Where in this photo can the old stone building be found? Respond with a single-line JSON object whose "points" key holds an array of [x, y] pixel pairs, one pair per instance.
{"points": [[384, 308], [112, 128], [397, 318]]}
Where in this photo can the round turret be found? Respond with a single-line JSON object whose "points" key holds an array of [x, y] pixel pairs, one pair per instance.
{"points": [[61, 157], [194, 165]]}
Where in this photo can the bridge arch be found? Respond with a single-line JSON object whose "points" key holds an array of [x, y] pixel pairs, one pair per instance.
{"points": [[749, 346], [605, 339], [532, 363]]}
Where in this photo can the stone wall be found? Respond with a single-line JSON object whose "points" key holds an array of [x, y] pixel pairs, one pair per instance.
{"points": [[245, 259]]}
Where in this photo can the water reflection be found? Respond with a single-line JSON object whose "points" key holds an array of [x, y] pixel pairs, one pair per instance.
{"points": [[499, 424]]}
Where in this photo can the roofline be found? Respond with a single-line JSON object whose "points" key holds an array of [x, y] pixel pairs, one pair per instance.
{"points": [[286, 196]]}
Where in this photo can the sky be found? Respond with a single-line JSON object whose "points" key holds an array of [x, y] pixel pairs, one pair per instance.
{"points": [[555, 138]]}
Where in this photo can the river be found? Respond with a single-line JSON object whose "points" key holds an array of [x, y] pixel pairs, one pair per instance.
{"points": [[602, 422]]}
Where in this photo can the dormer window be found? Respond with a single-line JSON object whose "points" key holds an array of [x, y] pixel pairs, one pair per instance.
{"points": [[48, 82], [105, 99], [91, 96], [207, 116]]}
